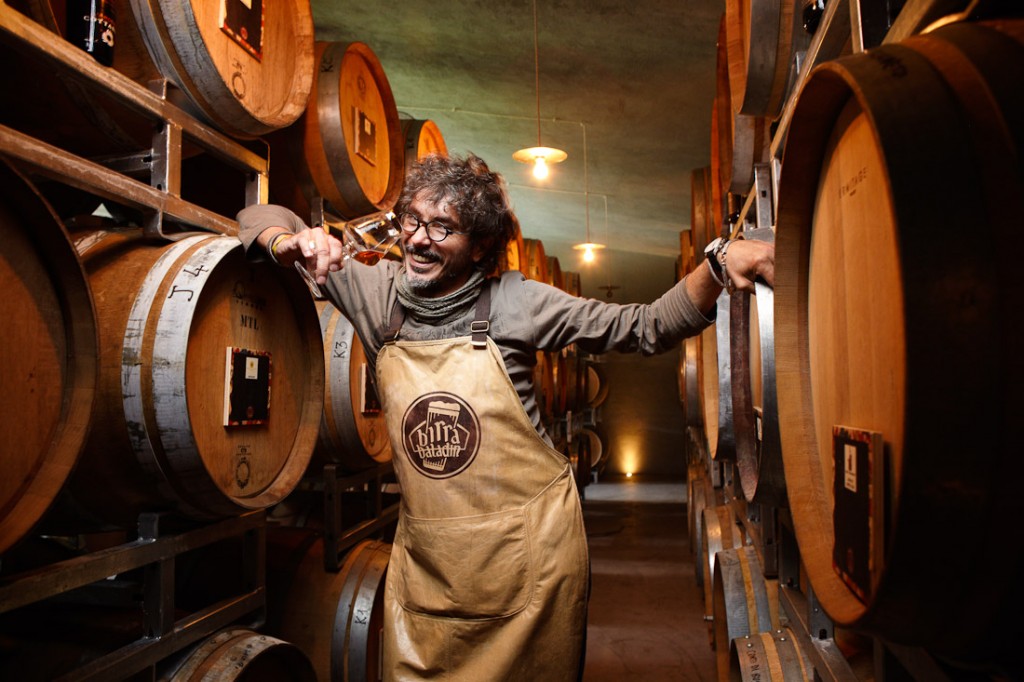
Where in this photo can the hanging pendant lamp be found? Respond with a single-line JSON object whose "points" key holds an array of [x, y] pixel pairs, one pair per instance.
{"points": [[589, 247], [540, 156]]}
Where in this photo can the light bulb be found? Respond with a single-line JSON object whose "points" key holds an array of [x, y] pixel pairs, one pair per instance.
{"points": [[540, 168], [588, 255]]}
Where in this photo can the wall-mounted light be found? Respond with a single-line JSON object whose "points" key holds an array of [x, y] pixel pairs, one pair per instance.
{"points": [[540, 156]]}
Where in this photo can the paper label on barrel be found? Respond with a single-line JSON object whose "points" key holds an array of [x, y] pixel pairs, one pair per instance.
{"points": [[242, 20], [365, 139], [246, 387], [857, 517]]}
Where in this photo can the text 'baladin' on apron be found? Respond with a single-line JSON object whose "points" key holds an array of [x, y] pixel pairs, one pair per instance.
{"points": [[488, 573]]}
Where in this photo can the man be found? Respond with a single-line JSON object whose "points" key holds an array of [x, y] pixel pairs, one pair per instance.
{"points": [[489, 571]]}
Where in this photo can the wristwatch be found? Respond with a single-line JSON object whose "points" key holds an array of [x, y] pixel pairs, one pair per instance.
{"points": [[711, 253]]}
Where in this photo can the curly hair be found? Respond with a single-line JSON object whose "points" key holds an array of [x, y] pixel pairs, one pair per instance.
{"points": [[475, 193]]}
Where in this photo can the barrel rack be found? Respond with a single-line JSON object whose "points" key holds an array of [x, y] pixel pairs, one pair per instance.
{"points": [[146, 565], [96, 577], [159, 200], [846, 26]]}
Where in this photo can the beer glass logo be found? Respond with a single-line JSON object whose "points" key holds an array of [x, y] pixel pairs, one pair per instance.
{"points": [[442, 434]]}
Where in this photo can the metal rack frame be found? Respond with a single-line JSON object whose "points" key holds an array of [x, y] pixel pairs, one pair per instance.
{"points": [[155, 552], [159, 200]]}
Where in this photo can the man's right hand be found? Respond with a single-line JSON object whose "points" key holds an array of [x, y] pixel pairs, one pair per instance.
{"points": [[318, 251]]}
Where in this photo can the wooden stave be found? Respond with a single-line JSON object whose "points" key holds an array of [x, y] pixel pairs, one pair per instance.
{"points": [[347, 437], [198, 73], [152, 452], [714, 376], [913, 577], [76, 350]]}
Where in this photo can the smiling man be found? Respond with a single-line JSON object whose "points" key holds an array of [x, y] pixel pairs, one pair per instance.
{"points": [[489, 571]]}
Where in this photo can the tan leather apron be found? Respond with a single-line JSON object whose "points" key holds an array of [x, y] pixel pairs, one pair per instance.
{"points": [[489, 569]]}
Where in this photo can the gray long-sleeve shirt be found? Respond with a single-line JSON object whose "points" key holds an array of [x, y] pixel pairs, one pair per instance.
{"points": [[526, 315]]}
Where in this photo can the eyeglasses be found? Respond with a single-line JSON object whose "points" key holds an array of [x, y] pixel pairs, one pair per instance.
{"points": [[436, 230]]}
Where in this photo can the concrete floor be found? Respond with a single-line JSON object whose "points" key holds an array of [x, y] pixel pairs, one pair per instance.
{"points": [[646, 611]]}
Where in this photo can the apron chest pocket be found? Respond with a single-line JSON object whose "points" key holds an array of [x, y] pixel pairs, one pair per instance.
{"points": [[467, 567]]}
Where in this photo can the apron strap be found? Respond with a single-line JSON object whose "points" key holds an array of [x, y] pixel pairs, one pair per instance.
{"points": [[395, 326], [478, 328], [481, 324]]}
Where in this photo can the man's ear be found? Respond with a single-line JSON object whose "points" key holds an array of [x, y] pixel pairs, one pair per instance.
{"points": [[481, 249]]}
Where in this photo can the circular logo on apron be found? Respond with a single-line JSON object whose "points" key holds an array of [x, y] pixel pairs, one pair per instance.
{"points": [[441, 434]]}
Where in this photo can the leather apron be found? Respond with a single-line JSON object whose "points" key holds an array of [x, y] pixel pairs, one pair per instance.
{"points": [[489, 569]]}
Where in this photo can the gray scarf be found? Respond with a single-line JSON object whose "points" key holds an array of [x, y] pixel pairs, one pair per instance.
{"points": [[437, 310]]}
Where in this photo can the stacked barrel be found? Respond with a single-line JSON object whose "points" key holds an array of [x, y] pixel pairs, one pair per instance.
{"points": [[848, 424], [160, 373]]}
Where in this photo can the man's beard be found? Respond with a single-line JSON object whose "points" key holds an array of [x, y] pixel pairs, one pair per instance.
{"points": [[425, 286]]}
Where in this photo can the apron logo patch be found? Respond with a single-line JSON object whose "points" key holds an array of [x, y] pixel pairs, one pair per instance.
{"points": [[441, 433]]}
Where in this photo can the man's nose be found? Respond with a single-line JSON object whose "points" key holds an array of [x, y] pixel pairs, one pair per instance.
{"points": [[418, 237]]}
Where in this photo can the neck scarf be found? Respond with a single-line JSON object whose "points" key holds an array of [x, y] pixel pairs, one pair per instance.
{"points": [[440, 309]]}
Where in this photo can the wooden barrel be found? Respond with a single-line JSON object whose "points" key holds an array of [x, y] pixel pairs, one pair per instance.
{"points": [[336, 619], [514, 257], [572, 283], [719, 530], [895, 335], [597, 385], [714, 173], [353, 432], [544, 385], [578, 452], [702, 217], [742, 140], [699, 494], [248, 69], [51, 345], [598, 449], [536, 261], [744, 601], [762, 38], [422, 138], [714, 376], [755, 412], [348, 147], [243, 654], [769, 657], [192, 338]]}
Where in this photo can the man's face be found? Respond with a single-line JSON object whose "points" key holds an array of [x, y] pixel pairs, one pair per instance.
{"points": [[435, 269]]}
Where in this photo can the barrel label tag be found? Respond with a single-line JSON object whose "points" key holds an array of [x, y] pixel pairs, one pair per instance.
{"points": [[858, 514], [242, 20], [365, 138], [246, 387]]}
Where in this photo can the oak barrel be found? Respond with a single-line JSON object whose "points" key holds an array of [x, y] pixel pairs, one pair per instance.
{"points": [[422, 138], [244, 655], [745, 602], [348, 146], [891, 321], [773, 656], [742, 140], [334, 618], [762, 39], [211, 378], [536, 261], [714, 378], [719, 530], [50, 352], [353, 432], [248, 72], [755, 413]]}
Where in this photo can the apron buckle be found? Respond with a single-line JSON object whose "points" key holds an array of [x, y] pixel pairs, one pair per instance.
{"points": [[479, 329]]}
